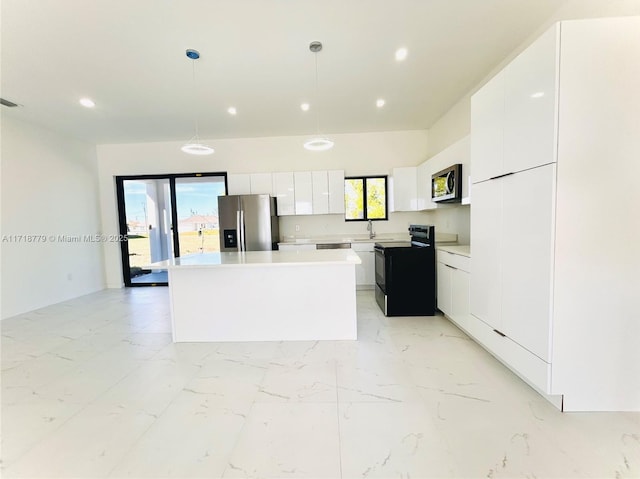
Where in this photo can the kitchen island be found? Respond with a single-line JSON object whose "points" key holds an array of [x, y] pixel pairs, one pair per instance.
{"points": [[263, 296]]}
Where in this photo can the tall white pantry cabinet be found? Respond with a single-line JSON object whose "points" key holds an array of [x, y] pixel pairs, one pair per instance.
{"points": [[555, 220]]}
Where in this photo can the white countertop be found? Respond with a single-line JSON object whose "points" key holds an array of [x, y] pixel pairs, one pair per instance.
{"points": [[461, 249], [274, 258], [364, 238]]}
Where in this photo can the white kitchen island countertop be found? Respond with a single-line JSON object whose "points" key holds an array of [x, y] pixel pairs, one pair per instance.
{"points": [[272, 258]]}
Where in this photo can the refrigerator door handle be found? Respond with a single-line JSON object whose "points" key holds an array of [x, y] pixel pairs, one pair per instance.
{"points": [[242, 232], [239, 231]]}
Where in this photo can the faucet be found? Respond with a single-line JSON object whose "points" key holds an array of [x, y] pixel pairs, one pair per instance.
{"points": [[370, 230]]}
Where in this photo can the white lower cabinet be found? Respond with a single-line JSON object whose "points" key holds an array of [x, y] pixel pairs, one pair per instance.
{"points": [[512, 224], [443, 275], [452, 281], [486, 225], [459, 293], [365, 272]]}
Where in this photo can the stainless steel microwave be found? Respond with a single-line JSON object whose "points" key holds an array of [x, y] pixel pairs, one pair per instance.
{"points": [[446, 185]]}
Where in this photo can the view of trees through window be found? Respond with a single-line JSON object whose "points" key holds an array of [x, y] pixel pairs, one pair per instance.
{"points": [[365, 198]]}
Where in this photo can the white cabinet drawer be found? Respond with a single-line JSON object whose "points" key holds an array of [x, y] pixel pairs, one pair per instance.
{"points": [[524, 363], [456, 260]]}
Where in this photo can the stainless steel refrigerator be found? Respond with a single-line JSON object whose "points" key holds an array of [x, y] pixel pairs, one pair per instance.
{"points": [[248, 223]]}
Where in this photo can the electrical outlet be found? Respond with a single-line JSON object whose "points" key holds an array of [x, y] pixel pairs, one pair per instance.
{"points": [[297, 228]]}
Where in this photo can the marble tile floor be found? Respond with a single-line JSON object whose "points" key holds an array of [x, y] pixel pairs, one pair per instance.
{"points": [[94, 387]]}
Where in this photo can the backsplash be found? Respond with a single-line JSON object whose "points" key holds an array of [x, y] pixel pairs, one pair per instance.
{"points": [[447, 220]]}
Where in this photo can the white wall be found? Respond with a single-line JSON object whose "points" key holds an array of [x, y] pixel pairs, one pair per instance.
{"points": [[49, 188], [357, 154]]}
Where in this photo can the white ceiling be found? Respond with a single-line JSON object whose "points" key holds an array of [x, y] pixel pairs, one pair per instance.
{"points": [[128, 56]]}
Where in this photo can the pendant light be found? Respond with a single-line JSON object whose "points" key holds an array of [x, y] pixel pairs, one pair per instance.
{"points": [[194, 146], [319, 143]]}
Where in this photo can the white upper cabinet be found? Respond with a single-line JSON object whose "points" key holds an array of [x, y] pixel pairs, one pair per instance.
{"points": [[514, 115], [530, 105], [239, 184], [303, 186], [423, 187], [487, 125], [405, 189], [299, 193], [283, 190], [320, 184], [336, 191], [261, 184]]}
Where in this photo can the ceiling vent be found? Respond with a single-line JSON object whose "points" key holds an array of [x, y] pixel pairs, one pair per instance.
{"points": [[8, 103]]}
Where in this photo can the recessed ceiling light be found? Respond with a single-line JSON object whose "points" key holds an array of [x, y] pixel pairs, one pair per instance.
{"points": [[401, 54], [88, 102], [379, 102], [304, 107], [232, 110]]}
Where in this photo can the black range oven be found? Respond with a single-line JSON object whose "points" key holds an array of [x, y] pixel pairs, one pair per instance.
{"points": [[405, 274]]}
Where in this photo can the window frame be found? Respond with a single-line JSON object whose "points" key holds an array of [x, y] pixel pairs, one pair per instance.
{"points": [[364, 199]]}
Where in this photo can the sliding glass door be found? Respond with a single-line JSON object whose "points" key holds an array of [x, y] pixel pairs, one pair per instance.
{"points": [[197, 210], [166, 216]]}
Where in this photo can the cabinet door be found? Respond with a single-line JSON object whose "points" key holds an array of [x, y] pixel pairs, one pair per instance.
{"points": [[284, 192], [336, 191], [320, 187], [239, 184], [443, 281], [303, 192], [527, 245], [486, 226], [362, 269], [261, 184], [487, 125], [531, 82], [405, 185], [368, 260], [423, 177], [365, 271], [459, 293]]}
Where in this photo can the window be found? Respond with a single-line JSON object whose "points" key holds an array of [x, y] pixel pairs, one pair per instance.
{"points": [[365, 198]]}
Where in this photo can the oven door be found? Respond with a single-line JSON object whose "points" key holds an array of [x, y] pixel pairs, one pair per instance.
{"points": [[380, 267]]}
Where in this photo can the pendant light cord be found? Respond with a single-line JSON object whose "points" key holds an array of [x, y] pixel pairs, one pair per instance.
{"points": [[317, 97], [195, 98]]}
